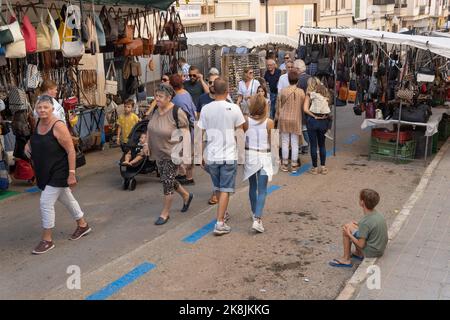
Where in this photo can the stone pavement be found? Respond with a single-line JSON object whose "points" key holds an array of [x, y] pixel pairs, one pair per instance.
{"points": [[416, 263]]}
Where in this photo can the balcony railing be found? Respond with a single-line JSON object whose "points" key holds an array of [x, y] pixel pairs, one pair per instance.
{"points": [[383, 2]]}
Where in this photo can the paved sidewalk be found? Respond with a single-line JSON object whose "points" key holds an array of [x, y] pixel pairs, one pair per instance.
{"points": [[416, 263]]}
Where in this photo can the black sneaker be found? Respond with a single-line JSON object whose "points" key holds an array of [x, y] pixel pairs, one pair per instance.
{"points": [[186, 182]]}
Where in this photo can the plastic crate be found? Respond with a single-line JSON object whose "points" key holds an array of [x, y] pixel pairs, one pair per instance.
{"points": [[386, 149], [385, 134]]}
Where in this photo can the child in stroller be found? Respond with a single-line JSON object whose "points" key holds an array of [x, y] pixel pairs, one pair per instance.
{"points": [[136, 154], [133, 161]]}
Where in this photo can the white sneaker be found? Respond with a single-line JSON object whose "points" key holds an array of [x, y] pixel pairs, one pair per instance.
{"points": [[221, 228], [258, 226]]}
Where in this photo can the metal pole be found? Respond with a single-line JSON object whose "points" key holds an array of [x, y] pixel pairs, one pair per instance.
{"points": [[267, 16], [399, 116], [335, 95]]}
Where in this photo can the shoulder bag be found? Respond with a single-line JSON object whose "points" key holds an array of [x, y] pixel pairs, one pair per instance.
{"points": [[136, 47], [71, 47], [111, 80]]}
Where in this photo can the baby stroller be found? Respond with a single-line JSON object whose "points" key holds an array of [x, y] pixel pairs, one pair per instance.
{"points": [[145, 166]]}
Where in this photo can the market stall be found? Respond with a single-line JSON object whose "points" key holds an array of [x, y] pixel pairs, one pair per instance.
{"points": [[394, 78], [233, 63], [89, 49]]}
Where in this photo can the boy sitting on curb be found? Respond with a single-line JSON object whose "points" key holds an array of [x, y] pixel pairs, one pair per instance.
{"points": [[369, 236]]}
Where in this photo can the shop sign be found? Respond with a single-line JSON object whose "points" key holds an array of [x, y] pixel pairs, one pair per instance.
{"points": [[190, 11]]}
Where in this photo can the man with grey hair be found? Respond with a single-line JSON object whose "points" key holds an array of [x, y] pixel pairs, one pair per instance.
{"points": [[302, 83]]}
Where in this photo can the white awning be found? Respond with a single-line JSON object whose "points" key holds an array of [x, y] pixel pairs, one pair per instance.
{"points": [[440, 34], [437, 45], [236, 38]]}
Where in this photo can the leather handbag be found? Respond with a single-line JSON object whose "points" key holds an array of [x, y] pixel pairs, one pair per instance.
{"points": [[28, 31], [136, 47], [420, 113], [55, 41], [148, 40], [80, 159], [405, 94], [109, 24], [111, 80], [16, 49], [126, 30], [164, 46], [43, 35], [181, 37], [6, 36]]}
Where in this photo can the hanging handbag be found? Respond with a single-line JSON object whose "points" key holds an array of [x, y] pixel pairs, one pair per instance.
{"points": [[111, 80], [16, 49], [136, 47], [18, 100], [109, 24], [28, 31], [33, 77], [426, 73], [6, 36], [55, 41], [71, 46], [101, 37], [148, 40], [43, 35], [63, 31], [126, 30], [370, 110], [181, 37], [373, 86]]}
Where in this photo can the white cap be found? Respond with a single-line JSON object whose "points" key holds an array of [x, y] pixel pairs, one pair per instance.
{"points": [[214, 71]]}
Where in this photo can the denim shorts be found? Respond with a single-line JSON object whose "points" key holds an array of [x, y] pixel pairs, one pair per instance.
{"points": [[223, 175]]}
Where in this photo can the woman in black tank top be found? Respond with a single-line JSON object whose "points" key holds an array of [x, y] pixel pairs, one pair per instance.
{"points": [[53, 157]]}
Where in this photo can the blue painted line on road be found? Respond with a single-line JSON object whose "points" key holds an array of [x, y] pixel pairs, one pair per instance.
{"points": [[122, 282], [32, 190], [353, 138], [272, 188], [203, 231], [206, 229]]}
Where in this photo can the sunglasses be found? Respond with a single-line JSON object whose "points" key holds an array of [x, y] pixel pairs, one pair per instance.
{"points": [[193, 76], [286, 58], [45, 98], [164, 80], [210, 83]]}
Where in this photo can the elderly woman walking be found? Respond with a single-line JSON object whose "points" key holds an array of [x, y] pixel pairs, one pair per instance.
{"points": [[165, 119], [288, 118], [53, 156]]}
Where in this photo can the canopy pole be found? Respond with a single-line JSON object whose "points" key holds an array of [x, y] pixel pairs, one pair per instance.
{"points": [[335, 95]]}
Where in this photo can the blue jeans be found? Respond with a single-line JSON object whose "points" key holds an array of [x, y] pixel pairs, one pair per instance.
{"points": [[273, 102], [223, 175], [258, 192], [316, 132]]}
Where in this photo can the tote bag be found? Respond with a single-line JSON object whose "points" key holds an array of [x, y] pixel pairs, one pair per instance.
{"points": [[17, 49], [55, 41]]}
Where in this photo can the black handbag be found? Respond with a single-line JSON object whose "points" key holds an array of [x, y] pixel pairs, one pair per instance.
{"points": [[357, 110], [420, 113]]}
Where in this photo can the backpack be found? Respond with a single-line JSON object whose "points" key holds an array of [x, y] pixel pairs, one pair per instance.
{"points": [[175, 117]]}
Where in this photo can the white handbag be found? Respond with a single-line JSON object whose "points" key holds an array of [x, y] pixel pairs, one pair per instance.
{"points": [[71, 49], [17, 49], [33, 77], [111, 82], [56, 44]]}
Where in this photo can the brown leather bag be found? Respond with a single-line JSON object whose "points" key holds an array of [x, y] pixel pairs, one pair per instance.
{"points": [[126, 32], [148, 42], [164, 47], [136, 47]]}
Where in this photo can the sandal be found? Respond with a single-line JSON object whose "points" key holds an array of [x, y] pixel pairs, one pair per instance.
{"points": [[213, 200], [314, 170], [324, 170]]}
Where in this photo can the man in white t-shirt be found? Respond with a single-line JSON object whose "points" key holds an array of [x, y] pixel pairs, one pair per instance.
{"points": [[220, 119], [284, 81]]}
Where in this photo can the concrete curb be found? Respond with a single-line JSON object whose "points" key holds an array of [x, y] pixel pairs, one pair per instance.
{"points": [[360, 274]]}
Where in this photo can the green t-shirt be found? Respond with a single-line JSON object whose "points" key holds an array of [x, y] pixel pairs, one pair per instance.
{"points": [[374, 229]]}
